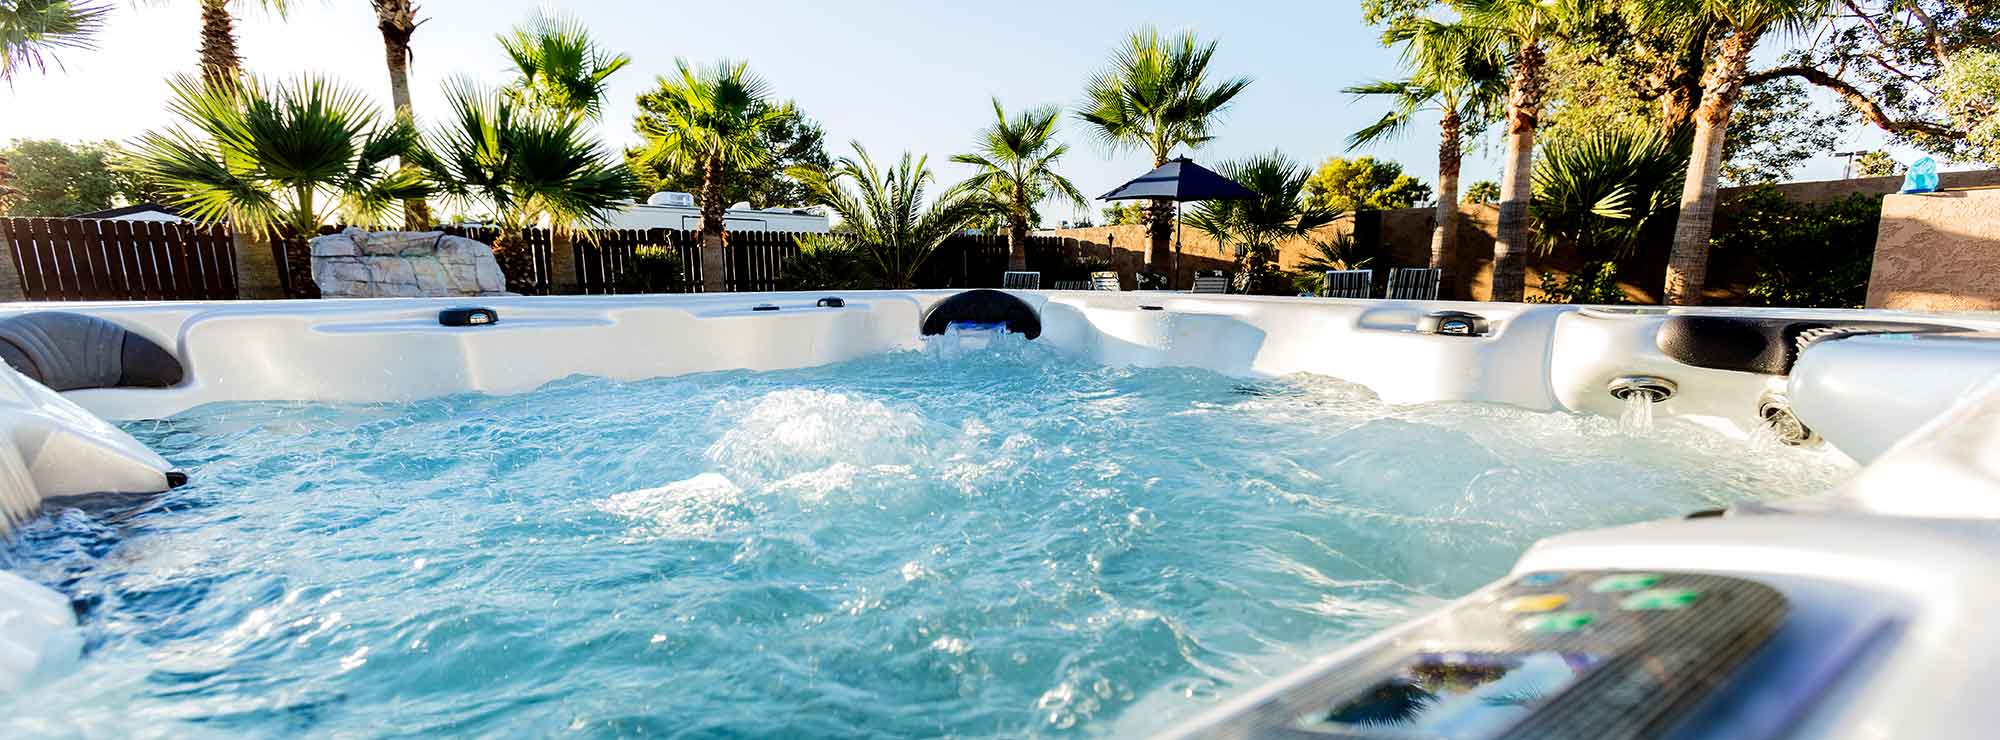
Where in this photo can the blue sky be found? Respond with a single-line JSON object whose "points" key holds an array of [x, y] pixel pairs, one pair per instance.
{"points": [[895, 75]]}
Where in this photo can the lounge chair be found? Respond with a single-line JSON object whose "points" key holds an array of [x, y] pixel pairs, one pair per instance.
{"points": [[1105, 281], [1021, 280], [1414, 283], [1348, 284], [1211, 281]]}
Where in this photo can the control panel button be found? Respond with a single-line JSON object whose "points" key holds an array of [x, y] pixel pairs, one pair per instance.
{"points": [[1534, 603], [1556, 622], [1537, 580], [1624, 582], [1661, 599]]}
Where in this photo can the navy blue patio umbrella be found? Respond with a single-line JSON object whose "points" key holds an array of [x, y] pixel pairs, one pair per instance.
{"points": [[1180, 180]]}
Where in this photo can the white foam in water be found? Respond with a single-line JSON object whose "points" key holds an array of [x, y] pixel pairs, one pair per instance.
{"points": [[993, 541]]}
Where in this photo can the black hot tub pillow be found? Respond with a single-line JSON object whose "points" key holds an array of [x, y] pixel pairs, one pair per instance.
{"points": [[70, 351]]}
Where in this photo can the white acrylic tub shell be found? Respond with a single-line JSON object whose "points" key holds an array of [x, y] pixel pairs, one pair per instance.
{"points": [[1915, 538]]}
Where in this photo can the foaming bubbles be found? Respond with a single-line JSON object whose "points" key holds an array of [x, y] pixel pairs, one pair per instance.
{"points": [[998, 542], [702, 506]]}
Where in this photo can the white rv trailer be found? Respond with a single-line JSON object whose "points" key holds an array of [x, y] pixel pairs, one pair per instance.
{"points": [[679, 211]]}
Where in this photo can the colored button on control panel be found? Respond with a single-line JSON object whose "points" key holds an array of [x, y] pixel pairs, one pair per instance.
{"points": [[1624, 582], [1537, 580], [1661, 599], [1534, 603], [1556, 622]]}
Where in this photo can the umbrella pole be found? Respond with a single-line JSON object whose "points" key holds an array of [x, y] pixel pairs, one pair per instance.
{"points": [[1175, 263]]}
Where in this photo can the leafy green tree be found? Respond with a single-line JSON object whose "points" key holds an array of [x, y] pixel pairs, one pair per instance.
{"points": [[1281, 210], [793, 141], [1364, 184], [1815, 255], [1876, 163], [558, 67], [1970, 89], [54, 178], [1483, 192], [1453, 71], [32, 32], [522, 167], [1157, 95], [271, 158], [1631, 82], [1597, 196], [1747, 22], [1123, 214], [1017, 160], [1892, 64], [715, 119], [887, 218]]}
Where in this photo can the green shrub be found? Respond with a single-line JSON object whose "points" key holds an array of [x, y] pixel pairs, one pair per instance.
{"points": [[826, 262], [654, 269], [1808, 255], [1594, 284]]}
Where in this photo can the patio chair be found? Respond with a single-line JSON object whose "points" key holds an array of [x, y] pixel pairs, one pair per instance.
{"points": [[1105, 281], [1012, 280], [1073, 285], [1414, 283], [1211, 281], [1348, 284]]}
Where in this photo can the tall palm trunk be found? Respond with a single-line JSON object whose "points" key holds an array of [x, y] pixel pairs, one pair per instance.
{"points": [[1017, 231], [396, 19], [1160, 222], [1510, 245], [713, 260], [219, 61], [1444, 236], [1687, 264]]}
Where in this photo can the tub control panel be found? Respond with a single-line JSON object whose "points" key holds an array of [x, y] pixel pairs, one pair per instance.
{"points": [[1573, 654]]}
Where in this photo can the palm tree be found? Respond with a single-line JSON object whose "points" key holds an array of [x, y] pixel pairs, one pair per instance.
{"points": [[32, 31], [713, 119], [1157, 95], [883, 215], [1457, 73], [219, 59], [1744, 22], [1522, 28], [276, 158], [558, 66], [1597, 194], [397, 20], [1016, 159], [1256, 226], [526, 166]]}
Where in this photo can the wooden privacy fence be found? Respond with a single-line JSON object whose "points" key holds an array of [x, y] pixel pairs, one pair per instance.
{"points": [[72, 259], [87, 259]]}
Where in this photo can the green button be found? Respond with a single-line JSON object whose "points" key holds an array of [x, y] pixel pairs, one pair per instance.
{"points": [[1556, 622], [1661, 599], [1624, 582]]}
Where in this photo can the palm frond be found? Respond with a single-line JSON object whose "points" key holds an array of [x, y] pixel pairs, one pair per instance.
{"points": [[33, 31]]}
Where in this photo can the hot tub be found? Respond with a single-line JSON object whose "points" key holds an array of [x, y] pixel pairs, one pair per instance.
{"points": [[799, 514]]}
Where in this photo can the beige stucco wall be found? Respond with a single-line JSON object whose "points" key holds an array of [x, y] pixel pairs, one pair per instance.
{"points": [[1938, 252]]}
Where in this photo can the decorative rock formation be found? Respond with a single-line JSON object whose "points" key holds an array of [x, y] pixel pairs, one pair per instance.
{"points": [[403, 264]]}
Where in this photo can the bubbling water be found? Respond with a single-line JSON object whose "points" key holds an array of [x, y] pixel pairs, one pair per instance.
{"points": [[963, 541]]}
